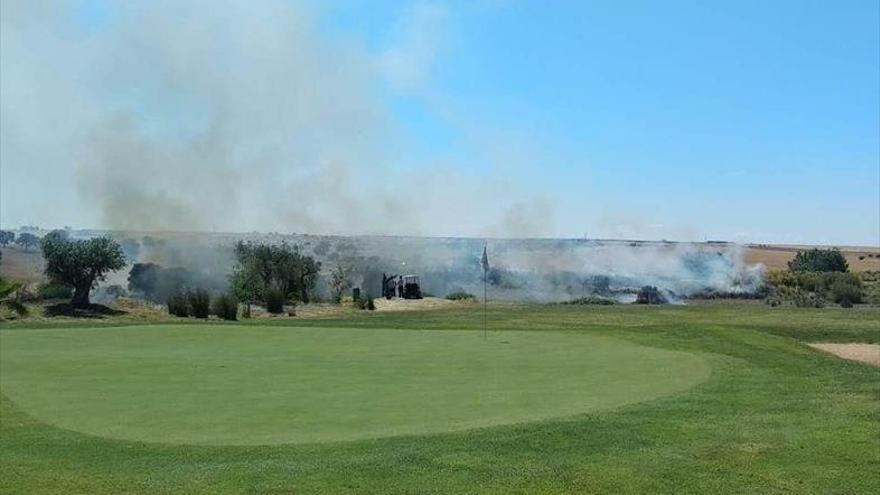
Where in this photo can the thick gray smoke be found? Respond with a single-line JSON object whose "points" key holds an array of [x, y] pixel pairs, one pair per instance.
{"points": [[521, 269], [228, 116]]}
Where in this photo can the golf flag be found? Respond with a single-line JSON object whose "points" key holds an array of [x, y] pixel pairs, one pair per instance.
{"points": [[485, 262]]}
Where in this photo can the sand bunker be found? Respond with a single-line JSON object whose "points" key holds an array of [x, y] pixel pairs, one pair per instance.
{"points": [[864, 353]]}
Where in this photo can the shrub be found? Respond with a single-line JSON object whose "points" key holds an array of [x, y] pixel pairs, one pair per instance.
{"points": [[601, 301], [818, 260], [846, 292], [55, 291], [846, 304], [365, 304], [226, 307], [461, 296], [803, 299], [650, 295], [780, 278], [274, 301], [773, 301], [178, 305], [199, 303]]}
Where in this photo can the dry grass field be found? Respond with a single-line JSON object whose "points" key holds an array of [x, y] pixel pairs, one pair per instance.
{"points": [[20, 265], [776, 257]]}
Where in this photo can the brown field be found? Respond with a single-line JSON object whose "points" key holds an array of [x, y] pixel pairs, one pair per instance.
{"points": [[20, 265], [860, 259]]}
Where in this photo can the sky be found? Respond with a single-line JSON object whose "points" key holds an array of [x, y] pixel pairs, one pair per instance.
{"points": [[740, 120]]}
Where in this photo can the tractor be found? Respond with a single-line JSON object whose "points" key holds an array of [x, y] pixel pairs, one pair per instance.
{"points": [[404, 286]]}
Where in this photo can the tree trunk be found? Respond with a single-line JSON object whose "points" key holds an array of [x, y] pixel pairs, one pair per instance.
{"points": [[81, 296]]}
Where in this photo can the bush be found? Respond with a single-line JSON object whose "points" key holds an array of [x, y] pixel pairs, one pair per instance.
{"points": [[819, 260], [589, 300], [55, 291], [846, 292], [178, 305], [275, 301], [803, 299], [226, 307], [650, 295], [365, 304], [461, 296], [199, 303], [773, 301]]}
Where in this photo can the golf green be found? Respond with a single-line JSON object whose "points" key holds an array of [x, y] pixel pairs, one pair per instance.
{"points": [[250, 385]]}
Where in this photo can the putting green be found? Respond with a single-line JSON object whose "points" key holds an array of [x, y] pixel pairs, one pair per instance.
{"points": [[248, 385]]}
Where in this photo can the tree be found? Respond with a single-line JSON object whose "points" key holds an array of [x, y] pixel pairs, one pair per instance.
{"points": [[27, 240], [819, 260], [280, 268], [339, 281], [80, 263], [6, 237]]}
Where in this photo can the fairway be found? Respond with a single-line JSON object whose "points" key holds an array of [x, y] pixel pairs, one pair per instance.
{"points": [[235, 385]]}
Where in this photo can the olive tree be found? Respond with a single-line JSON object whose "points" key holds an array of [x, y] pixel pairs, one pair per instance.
{"points": [[27, 240], [264, 269], [80, 263], [6, 237]]}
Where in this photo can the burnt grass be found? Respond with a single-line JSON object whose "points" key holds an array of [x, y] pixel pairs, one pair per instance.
{"points": [[90, 311]]}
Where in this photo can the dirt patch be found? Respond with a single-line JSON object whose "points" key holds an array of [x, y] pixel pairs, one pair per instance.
{"points": [[427, 303], [864, 353]]}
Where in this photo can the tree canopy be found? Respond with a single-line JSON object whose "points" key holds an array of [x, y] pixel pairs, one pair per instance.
{"points": [[80, 263], [819, 260], [27, 240], [6, 237], [262, 268]]}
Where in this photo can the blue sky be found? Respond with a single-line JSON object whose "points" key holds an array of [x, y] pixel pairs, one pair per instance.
{"points": [[755, 120], [749, 121]]}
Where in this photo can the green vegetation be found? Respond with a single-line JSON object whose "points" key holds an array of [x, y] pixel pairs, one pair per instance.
{"points": [[591, 300], [6, 237], [271, 385], [225, 306], [819, 260], [27, 241], [199, 303], [10, 297], [49, 291], [812, 289], [263, 271], [340, 281], [772, 416], [178, 305], [461, 296], [365, 303], [80, 263]]}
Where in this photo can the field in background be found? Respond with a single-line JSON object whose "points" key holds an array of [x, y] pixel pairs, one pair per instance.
{"points": [[773, 416], [860, 259]]}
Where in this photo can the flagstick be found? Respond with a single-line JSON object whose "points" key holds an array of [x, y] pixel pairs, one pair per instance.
{"points": [[485, 302]]}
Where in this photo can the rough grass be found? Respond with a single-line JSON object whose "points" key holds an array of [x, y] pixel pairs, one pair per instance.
{"points": [[774, 417]]}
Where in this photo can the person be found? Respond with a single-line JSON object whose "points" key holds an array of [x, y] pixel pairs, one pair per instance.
{"points": [[400, 287]]}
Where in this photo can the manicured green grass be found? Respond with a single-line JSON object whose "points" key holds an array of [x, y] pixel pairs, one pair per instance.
{"points": [[773, 416], [268, 385]]}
